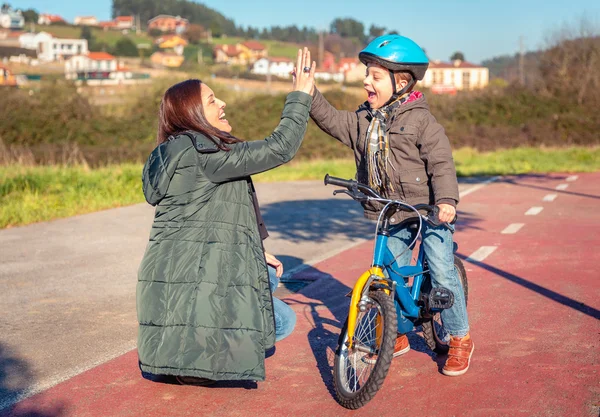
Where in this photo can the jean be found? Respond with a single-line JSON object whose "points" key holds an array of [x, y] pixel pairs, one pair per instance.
{"points": [[439, 253], [285, 317]]}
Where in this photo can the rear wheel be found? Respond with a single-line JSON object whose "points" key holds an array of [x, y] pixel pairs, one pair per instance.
{"points": [[433, 329], [359, 372]]}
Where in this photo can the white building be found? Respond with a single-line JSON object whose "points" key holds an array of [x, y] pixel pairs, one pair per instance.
{"points": [[459, 75], [48, 19], [49, 48], [326, 75], [11, 19], [86, 21], [280, 67], [100, 68], [93, 62]]}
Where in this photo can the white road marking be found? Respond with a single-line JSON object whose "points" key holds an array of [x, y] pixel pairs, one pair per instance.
{"points": [[572, 178], [533, 211], [513, 228], [477, 187], [481, 253], [550, 197], [562, 186]]}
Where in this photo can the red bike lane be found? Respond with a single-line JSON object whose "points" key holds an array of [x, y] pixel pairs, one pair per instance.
{"points": [[534, 312]]}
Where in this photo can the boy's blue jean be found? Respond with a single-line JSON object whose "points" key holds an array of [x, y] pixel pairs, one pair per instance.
{"points": [[439, 252], [285, 317]]}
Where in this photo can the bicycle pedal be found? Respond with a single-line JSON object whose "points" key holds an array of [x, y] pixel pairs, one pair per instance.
{"points": [[441, 298]]}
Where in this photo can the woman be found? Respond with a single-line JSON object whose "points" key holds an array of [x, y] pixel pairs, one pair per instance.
{"points": [[204, 302]]}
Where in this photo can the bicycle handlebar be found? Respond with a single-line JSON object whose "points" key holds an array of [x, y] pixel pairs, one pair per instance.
{"points": [[357, 191]]}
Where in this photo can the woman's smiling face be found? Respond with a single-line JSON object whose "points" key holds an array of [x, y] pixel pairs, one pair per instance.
{"points": [[214, 110]]}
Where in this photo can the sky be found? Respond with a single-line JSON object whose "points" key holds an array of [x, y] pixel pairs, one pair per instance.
{"points": [[481, 29]]}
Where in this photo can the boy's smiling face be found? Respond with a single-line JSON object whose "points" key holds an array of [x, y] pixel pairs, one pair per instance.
{"points": [[378, 85]]}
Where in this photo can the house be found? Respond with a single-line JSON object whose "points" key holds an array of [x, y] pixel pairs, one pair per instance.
{"points": [[329, 75], [100, 68], [124, 22], [98, 63], [86, 21], [7, 79], [173, 42], [240, 54], [50, 48], [353, 69], [255, 50], [328, 63], [166, 23], [166, 59], [444, 77], [119, 23], [48, 19], [230, 54], [11, 19], [10, 37], [280, 67]]}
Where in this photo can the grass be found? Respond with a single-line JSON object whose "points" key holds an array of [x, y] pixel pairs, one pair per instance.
{"points": [[33, 194], [274, 48], [110, 37]]}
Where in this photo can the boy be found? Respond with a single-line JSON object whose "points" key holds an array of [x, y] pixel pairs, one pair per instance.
{"points": [[403, 153]]}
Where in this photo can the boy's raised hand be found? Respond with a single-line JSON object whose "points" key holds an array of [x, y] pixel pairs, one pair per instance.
{"points": [[303, 76]]}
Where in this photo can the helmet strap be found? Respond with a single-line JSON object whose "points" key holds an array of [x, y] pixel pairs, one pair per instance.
{"points": [[400, 93]]}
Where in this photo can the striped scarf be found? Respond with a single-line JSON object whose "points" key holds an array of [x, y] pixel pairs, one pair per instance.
{"points": [[378, 146]]}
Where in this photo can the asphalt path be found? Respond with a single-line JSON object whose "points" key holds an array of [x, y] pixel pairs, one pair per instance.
{"points": [[68, 286]]}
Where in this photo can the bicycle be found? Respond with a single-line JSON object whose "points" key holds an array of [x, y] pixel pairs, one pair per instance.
{"points": [[382, 305]]}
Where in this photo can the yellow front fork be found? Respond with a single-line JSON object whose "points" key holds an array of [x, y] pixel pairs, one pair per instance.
{"points": [[356, 295]]}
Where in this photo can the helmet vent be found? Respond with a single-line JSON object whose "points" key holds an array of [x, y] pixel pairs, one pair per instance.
{"points": [[384, 43]]}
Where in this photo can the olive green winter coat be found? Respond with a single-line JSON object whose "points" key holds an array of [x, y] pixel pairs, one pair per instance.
{"points": [[203, 299]]}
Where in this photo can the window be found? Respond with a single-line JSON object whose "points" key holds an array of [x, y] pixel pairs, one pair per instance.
{"points": [[466, 80]]}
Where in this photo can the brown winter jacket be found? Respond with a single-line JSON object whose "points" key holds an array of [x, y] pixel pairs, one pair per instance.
{"points": [[420, 153]]}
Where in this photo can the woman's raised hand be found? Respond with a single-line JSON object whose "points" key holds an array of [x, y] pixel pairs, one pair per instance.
{"points": [[303, 76]]}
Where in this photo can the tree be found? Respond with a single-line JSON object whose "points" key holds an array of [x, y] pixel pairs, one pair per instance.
{"points": [[348, 28], [393, 32], [30, 16], [195, 33], [457, 56], [569, 66], [375, 31], [86, 33], [125, 47]]}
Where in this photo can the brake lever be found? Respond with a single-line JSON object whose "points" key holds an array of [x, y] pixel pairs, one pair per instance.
{"points": [[356, 195], [336, 192]]}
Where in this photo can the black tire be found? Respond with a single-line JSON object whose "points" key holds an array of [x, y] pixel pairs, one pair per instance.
{"points": [[354, 398], [432, 328]]}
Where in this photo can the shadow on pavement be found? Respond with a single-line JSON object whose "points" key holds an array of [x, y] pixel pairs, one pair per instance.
{"points": [[15, 379], [554, 296], [318, 220], [513, 181]]}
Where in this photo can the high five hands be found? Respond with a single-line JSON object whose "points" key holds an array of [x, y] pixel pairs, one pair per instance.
{"points": [[303, 76]]}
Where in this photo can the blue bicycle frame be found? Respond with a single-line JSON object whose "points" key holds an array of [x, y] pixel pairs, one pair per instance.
{"points": [[405, 297]]}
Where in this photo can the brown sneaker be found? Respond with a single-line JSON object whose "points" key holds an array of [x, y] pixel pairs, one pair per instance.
{"points": [[459, 356], [402, 346]]}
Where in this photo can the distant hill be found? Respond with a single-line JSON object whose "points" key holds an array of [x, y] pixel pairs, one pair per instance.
{"points": [[507, 66], [194, 12]]}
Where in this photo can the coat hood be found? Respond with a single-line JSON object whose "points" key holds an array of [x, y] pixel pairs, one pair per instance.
{"points": [[161, 166]]}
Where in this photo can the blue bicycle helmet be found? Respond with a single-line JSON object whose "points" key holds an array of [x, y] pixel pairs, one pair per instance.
{"points": [[396, 53]]}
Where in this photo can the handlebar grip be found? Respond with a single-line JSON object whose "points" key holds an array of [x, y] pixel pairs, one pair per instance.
{"points": [[337, 181]]}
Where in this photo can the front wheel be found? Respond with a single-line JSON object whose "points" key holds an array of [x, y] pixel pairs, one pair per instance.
{"points": [[433, 329], [359, 372]]}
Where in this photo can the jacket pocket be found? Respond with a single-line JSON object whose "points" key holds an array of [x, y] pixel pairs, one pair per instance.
{"points": [[415, 183]]}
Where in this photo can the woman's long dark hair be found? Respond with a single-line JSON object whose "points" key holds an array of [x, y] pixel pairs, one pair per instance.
{"points": [[181, 110]]}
